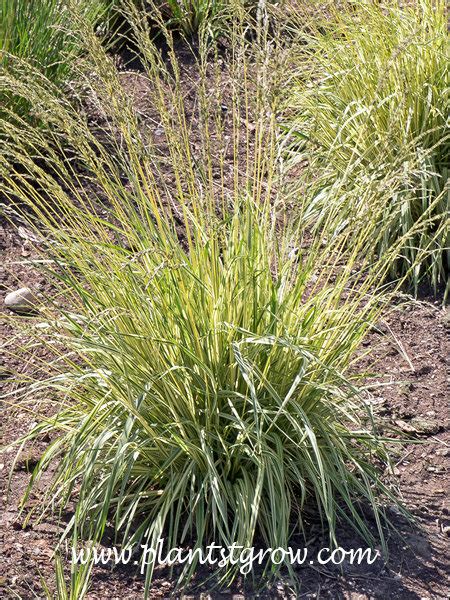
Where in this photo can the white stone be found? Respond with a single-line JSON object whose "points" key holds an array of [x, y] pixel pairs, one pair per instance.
{"points": [[22, 300], [293, 253]]}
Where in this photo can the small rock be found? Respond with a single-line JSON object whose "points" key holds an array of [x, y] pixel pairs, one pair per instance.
{"points": [[404, 426], [420, 426], [293, 253], [26, 462], [22, 300], [426, 426]]}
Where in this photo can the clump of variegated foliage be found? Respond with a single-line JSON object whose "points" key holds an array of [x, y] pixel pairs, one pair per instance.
{"points": [[370, 109]]}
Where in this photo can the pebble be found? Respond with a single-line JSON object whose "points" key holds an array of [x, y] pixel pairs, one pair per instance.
{"points": [[293, 253], [22, 300]]}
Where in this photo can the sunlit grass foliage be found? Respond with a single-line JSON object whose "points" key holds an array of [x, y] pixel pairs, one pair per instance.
{"points": [[371, 109], [41, 33]]}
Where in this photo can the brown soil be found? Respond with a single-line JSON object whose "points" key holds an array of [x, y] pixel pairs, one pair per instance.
{"points": [[410, 350]]}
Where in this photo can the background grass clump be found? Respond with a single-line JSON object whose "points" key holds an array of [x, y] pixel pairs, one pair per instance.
{"points": [[43, 34], [191, 15], [371, 109], [203, 369], [193, 18]]}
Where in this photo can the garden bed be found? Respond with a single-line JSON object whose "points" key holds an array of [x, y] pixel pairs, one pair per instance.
{"points": [[408, 352]]}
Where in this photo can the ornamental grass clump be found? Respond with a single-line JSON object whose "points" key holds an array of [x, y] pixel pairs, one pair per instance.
{"points": [[191, 15], [213, 18], [201, 368], [370, 108], [42, 34]]}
